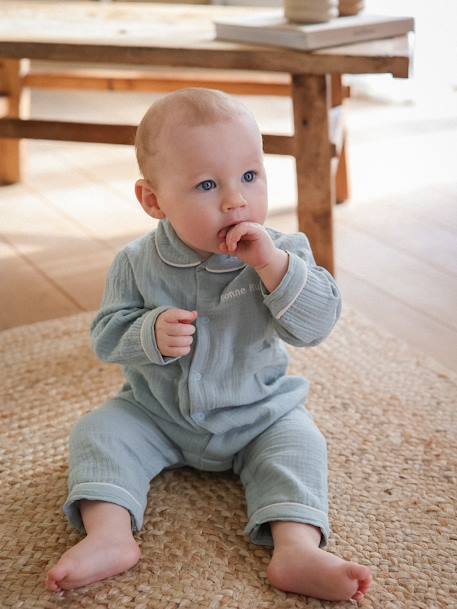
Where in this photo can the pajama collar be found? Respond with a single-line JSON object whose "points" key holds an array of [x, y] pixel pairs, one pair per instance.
{"points": [[176, 253]]}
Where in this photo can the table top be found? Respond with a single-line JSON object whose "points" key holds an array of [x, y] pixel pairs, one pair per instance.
{"points": [[172, 35]]}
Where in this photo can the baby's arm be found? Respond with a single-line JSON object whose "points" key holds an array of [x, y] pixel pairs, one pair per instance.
{"points": [[306, 304], [303, 298], [123, 332]]}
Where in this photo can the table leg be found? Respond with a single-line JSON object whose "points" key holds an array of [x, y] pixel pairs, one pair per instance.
{"points": [[339, 94], [315, 188], [16, 104], [342, 175]]}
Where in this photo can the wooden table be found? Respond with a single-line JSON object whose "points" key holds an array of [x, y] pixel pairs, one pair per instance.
{"points": [[182, 36]]}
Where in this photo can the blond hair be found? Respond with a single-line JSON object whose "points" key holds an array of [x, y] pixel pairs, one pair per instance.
{"points": [[191, 106]]}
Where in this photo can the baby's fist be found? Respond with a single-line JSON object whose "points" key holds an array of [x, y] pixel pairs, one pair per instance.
{"points": [[174, 332]]}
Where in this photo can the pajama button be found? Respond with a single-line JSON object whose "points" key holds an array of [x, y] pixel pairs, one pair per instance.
{"points": [[197, 376]]}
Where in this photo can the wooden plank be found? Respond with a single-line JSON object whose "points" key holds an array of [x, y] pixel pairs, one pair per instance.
{"points": [[214, 55], [65, 255], [146, 71], [171, 35], [25, 293], [434, 203], [392, 55], [105, 214], [106, 134], [313, 161], [68, 131], [403, 228], [279, 144], [399, 317], [141, 82], [56, 75], [433, 292]]}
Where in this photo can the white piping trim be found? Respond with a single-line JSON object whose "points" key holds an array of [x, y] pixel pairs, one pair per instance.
{"points": [[285, 309], [189, 264], [141, 332], [235, 268], [287, 503], [106, 484]]}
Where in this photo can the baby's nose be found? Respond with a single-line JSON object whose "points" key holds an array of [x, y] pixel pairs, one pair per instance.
{"points": [[233, 201]]}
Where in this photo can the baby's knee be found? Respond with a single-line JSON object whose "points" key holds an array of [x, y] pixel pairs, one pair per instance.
{"points": [[317, 439], [90, 422], [107, 420], [304, 434]]}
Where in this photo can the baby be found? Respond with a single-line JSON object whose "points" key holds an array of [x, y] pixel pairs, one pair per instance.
{"points": [[196, 312]]}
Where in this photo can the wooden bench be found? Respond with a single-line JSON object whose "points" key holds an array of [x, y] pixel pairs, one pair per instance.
{"points": [[178, 42]]}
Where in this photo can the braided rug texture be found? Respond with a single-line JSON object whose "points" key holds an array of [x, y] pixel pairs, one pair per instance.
{"points": [[389, 416]]}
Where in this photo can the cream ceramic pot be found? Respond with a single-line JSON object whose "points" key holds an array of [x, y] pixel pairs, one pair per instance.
{"points": [[310, 11], [351, 7]]}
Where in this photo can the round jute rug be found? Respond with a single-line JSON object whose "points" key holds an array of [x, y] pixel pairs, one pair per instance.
{"points": [[389, 416]]}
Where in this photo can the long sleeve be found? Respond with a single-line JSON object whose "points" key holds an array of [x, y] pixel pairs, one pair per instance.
{"points": [[307, 303], [123, 330]]}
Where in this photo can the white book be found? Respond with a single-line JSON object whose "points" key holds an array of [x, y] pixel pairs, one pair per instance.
{"points": [[275, 30]]}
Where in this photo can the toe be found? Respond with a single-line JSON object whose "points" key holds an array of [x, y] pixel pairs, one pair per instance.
{"points": [[359, 572], [51, 584], [55, 577], [364, 577]]}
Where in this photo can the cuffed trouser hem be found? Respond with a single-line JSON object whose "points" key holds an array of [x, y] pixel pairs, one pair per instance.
{"points": [[259, 530], [102, 491]]}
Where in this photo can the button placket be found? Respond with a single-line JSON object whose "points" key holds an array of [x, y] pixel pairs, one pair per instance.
{"points": [[195, 386]]}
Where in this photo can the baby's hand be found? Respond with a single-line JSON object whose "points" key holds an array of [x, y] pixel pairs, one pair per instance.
{"points": [[174, 330], [248, 241]]}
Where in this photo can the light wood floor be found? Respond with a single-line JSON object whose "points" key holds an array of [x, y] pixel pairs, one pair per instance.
{"points": [[396, 239]]}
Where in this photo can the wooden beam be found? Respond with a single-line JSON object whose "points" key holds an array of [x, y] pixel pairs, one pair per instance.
{"points": [[141, 82], [223, 57], [106, 134], [67, 131], [249, 83]]}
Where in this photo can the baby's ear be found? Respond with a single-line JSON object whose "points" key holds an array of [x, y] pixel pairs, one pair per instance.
{"points": [[148, 199]]}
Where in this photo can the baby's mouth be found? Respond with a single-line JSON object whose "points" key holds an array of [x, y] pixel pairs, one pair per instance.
{"points": [[233, 224], [222, 233], [230, 226]]}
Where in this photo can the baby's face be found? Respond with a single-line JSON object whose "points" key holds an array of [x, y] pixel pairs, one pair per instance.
{"points": [[211, 177]]}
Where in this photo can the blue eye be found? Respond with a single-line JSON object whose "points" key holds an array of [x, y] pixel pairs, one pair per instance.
{"points": [[207, 185], [249, 176]]}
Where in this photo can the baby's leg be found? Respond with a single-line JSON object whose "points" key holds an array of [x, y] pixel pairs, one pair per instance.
{"points": [[284, 471], [114, 453], [108, 549]]}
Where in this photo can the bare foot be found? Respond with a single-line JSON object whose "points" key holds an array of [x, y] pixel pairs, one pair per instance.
{"points": [[299, 565], [94, 558], [317, 573]]}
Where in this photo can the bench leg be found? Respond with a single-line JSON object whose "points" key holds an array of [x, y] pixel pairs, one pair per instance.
{"points": [[342, 175], [15, 104], [339, 94], [315, 186]]}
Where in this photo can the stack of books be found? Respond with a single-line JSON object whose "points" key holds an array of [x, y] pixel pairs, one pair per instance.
{"points": [[275, 30]]}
